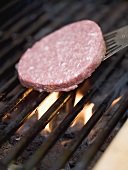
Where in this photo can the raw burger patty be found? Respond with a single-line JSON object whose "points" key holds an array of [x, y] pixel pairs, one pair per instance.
{"points": [[63, 59]]}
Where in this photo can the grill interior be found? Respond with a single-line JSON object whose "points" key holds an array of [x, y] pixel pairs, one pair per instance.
{"points": [[23, 23]]}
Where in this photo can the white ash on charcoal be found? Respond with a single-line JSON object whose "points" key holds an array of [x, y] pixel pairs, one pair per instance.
{"points": [[78, 154], [50, 157], [73, 130], [94, 134], [90, 140], [97, 99], [85, 144], [100, 96], [102, 123], [80, 120], [7, 147], [58, 149], [48, 162], [45, 164]]}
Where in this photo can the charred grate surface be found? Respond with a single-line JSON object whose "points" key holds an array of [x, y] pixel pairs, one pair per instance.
{"points": [[23, 23]]}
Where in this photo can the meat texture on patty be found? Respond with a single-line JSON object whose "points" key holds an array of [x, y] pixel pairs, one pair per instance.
{"points": [[63, 59]]}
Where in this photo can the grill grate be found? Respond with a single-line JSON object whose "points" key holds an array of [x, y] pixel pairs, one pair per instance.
{"points": [[27, 22]]}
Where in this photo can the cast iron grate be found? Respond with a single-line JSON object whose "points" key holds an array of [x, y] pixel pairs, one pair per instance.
{"points": [[23, 23]]}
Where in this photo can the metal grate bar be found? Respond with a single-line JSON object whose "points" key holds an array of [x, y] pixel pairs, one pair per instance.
{"points": [[9, 5], [60, 20], [90, 124], [11, 47], [54, 136], [14, 8], [20, 32], [116, 16], [38, 126], [18, 43], [8, 87], [14, 125], [22, 94], [27, 10], [92, 150]]}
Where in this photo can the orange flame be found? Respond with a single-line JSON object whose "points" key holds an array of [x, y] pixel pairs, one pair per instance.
{"points": [[116, 101], [86, 113], [44, 106]]}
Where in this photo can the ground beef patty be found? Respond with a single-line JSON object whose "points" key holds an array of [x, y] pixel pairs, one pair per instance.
{"points": [[63, 59]]}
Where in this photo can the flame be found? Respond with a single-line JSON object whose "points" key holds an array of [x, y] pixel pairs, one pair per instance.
{"points": [[116, 101], [44, 106], [85, 114], [36, 115], [81, 119], [78, 97], [88, 112]]}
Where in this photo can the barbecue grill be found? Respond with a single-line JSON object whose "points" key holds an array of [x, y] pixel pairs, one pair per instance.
{"points": [[23, 23]]}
